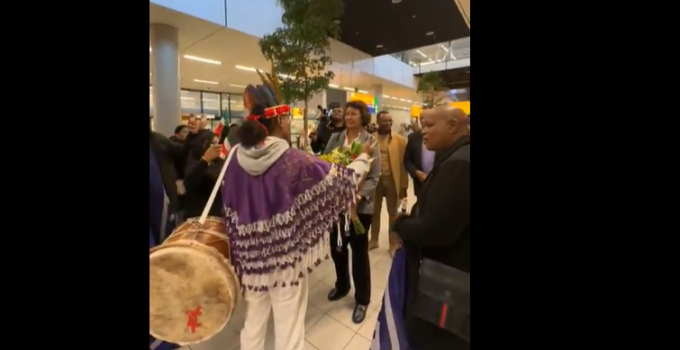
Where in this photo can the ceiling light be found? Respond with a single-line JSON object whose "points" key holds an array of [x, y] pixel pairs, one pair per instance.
{"points": [[186, 98], [250, 69], [396, 1], [409, 101], [206, 81], [402, 100], [378, 46], [443, 47], [386, 96], [422, 54], [200, 59], [333, 85], [348, 88], [362, 91], [429, 33], [237, 86], [150, 50]]}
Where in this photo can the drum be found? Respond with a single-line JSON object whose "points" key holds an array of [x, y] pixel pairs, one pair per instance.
{"points": [[193, 288]]}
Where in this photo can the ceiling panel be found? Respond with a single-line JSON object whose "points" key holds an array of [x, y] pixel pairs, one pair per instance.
{"points": [[379, 27]]}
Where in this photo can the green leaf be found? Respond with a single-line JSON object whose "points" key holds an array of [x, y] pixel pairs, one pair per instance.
{"points": [[299, 50]]}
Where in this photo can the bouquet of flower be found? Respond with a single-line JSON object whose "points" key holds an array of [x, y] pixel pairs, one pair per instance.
{"points": [[344, 156]]}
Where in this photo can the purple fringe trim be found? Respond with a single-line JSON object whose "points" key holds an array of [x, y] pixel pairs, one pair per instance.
{"points": [[300, 233]]}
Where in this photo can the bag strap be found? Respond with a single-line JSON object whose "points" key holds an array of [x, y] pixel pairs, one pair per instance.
{"points": [[216, 188]]}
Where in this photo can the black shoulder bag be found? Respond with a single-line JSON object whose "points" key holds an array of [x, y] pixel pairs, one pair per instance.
{"points": [[443, 297]]}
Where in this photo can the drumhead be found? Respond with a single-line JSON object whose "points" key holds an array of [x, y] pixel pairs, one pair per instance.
{"points": [[191, 294]]}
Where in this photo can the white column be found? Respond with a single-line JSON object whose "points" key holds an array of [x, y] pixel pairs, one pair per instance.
{"points": [[167, 110]]}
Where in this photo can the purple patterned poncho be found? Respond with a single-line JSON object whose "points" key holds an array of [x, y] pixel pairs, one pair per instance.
{"points": [[278, 223]]}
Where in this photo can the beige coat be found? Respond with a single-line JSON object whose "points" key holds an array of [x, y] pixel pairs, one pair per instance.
{"points": [[396, 148]]}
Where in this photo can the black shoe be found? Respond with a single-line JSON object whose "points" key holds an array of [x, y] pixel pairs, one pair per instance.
{"points": [[359, 314], [336, 295]]}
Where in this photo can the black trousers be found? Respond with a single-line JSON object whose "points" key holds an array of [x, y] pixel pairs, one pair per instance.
{"points": [[361, 267]]}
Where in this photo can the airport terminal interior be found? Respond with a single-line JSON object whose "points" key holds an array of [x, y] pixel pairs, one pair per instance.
{"points": [[391, 54]]}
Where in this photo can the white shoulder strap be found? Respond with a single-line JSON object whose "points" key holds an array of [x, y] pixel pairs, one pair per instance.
{"points": [[216, 188]]}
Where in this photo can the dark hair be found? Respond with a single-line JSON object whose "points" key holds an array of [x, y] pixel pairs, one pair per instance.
{"points": [[362, 108], [381, 113], [333, 105], [179, 128], [251, 132]]}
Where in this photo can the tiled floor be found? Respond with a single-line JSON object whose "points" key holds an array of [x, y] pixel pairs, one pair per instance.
{"points": [[329, 325]]}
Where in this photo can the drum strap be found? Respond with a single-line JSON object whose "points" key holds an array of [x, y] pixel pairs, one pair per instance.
{"points": [[216, 188]]}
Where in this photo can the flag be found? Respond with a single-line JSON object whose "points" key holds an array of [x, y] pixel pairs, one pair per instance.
{"points": [[226, 146], [390, 331]]}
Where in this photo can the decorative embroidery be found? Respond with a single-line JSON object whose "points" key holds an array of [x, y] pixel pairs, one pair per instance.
{"points": [[276, 251]]}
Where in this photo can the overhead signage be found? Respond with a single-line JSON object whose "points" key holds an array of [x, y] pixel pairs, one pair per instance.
{"points": [[369, 100]]}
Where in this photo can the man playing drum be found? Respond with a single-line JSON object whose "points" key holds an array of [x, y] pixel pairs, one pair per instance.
{"points": [[280, 204]]}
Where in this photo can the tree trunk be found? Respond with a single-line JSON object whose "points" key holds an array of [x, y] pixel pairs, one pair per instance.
{"points": [[305, 133]]}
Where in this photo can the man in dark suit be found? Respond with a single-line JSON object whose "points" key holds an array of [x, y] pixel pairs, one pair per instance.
{"points": [[418, 160], [439, 227]]}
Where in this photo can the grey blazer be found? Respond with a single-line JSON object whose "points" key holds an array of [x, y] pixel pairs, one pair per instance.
{"points": [[366, 191]]}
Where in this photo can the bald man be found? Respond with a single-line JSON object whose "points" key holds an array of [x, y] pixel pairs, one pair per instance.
{"points": [[436, 238]]}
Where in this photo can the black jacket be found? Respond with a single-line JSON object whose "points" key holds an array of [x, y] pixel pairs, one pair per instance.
{"points": [[413, 158], [325, 130], [168, 154], [199, 180], [438, 229]]}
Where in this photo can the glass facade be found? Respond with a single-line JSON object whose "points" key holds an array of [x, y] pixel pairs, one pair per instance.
{"points": [[431, 54], [209, 103]]}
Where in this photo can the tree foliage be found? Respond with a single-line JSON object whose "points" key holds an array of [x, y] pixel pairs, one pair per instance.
{"points": [[299, 50], [431, 88]]}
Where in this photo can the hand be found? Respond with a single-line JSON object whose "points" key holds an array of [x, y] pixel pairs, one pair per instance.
{"points": [[421, 175], [359, 198], [193, 125], [367, 148], [402, 193], [212, 153]]}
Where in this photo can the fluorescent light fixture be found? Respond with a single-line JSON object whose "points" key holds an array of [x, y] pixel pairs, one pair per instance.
{"points": [[429, 33], [237, 86], [333, 86], [250, 69], [206, 81], [443, 47], [422, 54], [409, 101], [386, 96], [363, 91], [402, 99], [348, 88], [201, 59], [379, 46]]}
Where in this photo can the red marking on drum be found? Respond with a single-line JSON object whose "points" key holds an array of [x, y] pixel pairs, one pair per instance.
{"points": [[192, 321]]}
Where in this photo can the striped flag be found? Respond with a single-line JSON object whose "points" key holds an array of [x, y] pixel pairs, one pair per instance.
{"points": [[390, 332], [226, 146]]}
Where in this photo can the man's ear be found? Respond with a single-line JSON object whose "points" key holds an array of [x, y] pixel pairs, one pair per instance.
{"points": [[453, 126]]}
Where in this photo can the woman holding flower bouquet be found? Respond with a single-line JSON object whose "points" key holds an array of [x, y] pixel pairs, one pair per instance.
{"points": [[356, 118]]}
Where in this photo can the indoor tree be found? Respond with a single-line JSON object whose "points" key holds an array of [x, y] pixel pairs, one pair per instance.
{"points": [[299, 51], [430, 88]]}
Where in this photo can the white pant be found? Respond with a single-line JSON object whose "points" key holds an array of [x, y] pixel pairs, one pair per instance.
{"points": [[290, 307]]}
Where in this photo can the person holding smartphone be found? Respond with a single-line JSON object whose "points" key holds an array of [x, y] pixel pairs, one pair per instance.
{"points": [[200, 176]]}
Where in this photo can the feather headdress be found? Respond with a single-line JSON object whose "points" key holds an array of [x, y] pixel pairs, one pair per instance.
{"points": [[267, 95]]}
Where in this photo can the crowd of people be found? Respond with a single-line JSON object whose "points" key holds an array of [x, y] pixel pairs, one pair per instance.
{"points": [[435, 155]]}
